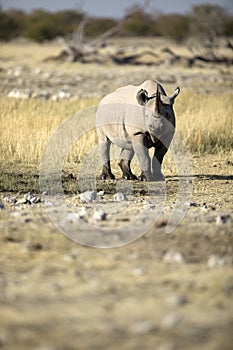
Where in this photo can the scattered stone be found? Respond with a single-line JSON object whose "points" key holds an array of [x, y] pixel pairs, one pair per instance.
{"points": [[166, 346], [37, 71], [88, 196], [99, 215], [191, 204], [222, 219], [139, 271], [70, 257], [19, 214], [176, 300], [101, 193], [143, 327], [119, 196], [48, 204], [16, 93], [82, 213], [2, 206], [173, 256], [171, 320], [61, 95], [72, 217], [40, 94], [217, 261], [148, 205]]}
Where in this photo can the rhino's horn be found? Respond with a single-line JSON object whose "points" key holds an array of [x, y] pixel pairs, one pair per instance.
{"points": [[157, 100]]}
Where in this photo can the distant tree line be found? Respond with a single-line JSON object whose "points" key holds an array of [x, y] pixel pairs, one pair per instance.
{"points": [[41, 25]]}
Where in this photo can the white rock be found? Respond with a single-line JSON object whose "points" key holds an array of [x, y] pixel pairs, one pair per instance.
{"points": [[173, 256], [148, 206], [120, 196], [87, 197], [216, 261], [54, 98], [176, 300], [222, 219], [166, 346], [64, 94], [142, 327], [48, 204], [82, 213], [171, 320], [101, 193], [37, 71], [191, 204], [72, 217], [139, 271], [99, 215], [40, 94], [16, 93]]}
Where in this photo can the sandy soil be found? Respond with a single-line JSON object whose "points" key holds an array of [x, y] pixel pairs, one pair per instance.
{"points": [[164, 291]]}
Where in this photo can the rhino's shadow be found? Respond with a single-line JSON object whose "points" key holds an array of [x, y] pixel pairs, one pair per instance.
{"points": [[202, 176]]}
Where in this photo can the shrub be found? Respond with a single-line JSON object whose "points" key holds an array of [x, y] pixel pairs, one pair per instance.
{"points": [[173, 26]]}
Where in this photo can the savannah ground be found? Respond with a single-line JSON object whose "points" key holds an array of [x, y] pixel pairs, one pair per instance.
{"points": [[163, 291]]}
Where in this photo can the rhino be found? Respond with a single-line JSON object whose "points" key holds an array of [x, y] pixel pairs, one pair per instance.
{"points": [[136, 118]]}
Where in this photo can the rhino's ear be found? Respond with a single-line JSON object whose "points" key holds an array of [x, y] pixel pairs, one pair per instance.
{"points": [[142, 97], [175, 94]]}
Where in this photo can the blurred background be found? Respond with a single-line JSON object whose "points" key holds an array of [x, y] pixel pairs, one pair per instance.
{"points": [[45, 20]]}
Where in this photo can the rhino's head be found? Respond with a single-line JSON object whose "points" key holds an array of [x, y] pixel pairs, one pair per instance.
{"points": [[159, 114]]}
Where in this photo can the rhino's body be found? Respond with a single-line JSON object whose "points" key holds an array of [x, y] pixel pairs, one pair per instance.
{"points": [[136, 118]]}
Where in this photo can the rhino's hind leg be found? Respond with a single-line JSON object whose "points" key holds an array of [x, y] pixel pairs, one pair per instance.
{"points": [[124, 163], [106, 172], [105, 160]]}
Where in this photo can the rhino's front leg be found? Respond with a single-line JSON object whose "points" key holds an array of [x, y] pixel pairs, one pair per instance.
{"points": [[142, 153], [157, 160], [105, 160]]}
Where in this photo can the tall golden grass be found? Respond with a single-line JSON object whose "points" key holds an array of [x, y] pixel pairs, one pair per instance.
{"points": [[204, 122]]}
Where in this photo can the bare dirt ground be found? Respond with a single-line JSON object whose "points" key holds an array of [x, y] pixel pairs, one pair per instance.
{"points": [[164, 291]]}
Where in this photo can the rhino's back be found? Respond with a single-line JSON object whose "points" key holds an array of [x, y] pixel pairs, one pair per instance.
{"points": [[119, 116], [127, 94]]}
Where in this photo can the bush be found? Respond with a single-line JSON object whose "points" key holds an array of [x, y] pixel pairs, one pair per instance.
{"points": [[42, 25], [207, 21], [11, 24], [98, 26], [173, 26], [136, 22]]}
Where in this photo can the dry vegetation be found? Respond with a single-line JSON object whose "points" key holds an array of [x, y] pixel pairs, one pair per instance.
{"points": [[164, 291], [203, 108], [204, 122]]}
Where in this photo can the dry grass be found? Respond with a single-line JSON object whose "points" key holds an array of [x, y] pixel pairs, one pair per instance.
{"points": [[204, 122], [26, 126]]}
